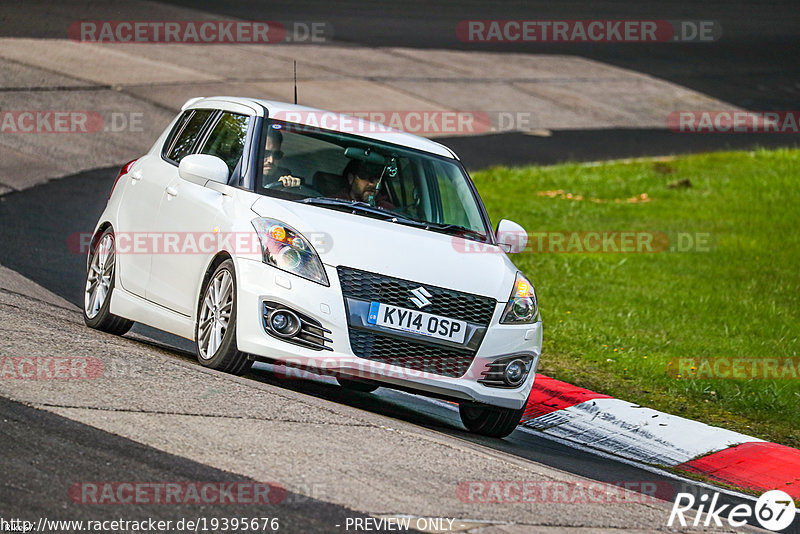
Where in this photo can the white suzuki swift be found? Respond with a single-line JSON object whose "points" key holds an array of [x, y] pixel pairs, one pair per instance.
{"points": [[273, 232]]}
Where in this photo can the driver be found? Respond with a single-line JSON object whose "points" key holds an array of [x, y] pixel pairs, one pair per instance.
{"points": [[362, 184], [272, 154]]}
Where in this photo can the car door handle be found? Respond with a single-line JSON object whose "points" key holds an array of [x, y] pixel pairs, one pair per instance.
{"points": [[172, 191], [136, 176]]}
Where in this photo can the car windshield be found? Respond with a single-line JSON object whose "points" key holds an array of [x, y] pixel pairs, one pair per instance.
{"points": [[371, 178]]}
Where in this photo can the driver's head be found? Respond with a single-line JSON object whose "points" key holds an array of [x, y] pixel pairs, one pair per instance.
{"points": [[362, 178], [272, 152]]}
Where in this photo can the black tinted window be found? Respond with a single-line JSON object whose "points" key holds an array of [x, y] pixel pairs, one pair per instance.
{"points": [[187, 133], [227, 139]]}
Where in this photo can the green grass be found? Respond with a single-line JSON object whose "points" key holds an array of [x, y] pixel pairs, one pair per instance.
{"points": [[612, 321]]}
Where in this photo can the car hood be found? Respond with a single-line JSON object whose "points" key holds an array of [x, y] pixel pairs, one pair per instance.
{"points": [[344, 239]]}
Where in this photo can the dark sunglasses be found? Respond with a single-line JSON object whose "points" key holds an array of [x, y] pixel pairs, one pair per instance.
{"points": [[276, 154]]}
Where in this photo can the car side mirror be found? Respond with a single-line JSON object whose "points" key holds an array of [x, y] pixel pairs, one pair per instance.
{"points": [[201, 168], [511, 237]]}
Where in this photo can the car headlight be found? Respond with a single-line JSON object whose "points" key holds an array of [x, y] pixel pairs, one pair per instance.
{"points": [[285, 248], [522, 307]]}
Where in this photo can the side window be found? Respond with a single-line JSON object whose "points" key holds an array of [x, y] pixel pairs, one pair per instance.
{"points": [[176, 130], [186, 132], [226, 140]]}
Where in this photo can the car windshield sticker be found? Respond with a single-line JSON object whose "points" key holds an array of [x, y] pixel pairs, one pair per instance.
{"points": [[391, 169]]}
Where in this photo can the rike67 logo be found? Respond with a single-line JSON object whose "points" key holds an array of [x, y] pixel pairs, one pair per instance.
{"points": [[774, 510]]}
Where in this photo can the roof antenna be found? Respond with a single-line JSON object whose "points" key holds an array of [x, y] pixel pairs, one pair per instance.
{"points": [[295, 82]]}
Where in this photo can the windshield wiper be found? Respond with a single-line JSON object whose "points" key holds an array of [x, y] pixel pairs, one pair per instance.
{"points": [[457, 229], [450, 229], [347, 205], [362, 207]]}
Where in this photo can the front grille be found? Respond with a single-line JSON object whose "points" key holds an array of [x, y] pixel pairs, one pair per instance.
{"points": [[411, 355], [368, 286]]}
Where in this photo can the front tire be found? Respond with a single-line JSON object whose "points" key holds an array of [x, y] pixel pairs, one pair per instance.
{"points": [[488, 420], [215, 330], [100, 280]]}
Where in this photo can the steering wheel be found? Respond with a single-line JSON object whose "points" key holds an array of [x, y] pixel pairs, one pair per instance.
{"points": [[299, 190]]}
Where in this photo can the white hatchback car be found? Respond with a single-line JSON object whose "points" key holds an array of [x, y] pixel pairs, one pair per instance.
{"points": [[273, 232]]}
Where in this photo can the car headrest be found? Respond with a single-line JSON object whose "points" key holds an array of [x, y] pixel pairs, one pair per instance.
{"points": [[329, 184]]}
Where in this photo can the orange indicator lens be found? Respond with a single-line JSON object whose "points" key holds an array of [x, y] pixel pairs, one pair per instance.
{"points": [[278, 233]]}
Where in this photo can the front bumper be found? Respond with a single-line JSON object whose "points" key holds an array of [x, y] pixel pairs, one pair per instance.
{"points": [[258, 282]]}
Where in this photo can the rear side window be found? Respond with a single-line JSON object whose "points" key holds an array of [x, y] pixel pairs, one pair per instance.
{"points": [[185, 134], [227, 139]]}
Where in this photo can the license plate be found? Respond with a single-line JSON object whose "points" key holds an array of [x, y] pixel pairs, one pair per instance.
{"points": [[417, 322]]}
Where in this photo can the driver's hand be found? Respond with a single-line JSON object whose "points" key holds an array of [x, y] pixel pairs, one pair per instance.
{"points": [[289, 181]]}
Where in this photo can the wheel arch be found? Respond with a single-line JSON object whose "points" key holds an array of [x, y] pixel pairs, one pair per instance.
{"points": [[215, 262], [96, 238]]}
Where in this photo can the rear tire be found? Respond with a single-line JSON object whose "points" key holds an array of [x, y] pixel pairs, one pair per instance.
{"points": [[357, 385], [100, 280], [215, 329], [488, 420]]}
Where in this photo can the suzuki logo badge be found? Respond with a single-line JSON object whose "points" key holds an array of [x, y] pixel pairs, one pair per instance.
{"points": [[420, 297]]}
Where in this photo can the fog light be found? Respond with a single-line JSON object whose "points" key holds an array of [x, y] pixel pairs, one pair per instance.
{"points": [[284, 323], [515, 372], [280, 321]]}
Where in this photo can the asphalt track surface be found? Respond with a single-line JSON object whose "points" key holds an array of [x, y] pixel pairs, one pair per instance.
{"points": [[35, 227], [67, 451], [515, 148], [753, 65]]}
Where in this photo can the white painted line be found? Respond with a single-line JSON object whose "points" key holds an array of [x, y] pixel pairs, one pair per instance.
{"points": [[610, 456], [624, 429], [665, 430], [633, 463]]}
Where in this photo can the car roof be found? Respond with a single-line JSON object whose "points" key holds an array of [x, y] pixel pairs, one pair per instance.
{"points": [[311, 116]]}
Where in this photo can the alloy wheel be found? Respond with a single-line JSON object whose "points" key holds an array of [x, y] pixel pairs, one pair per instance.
{"points": [[101, 274], [215, 314]]}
